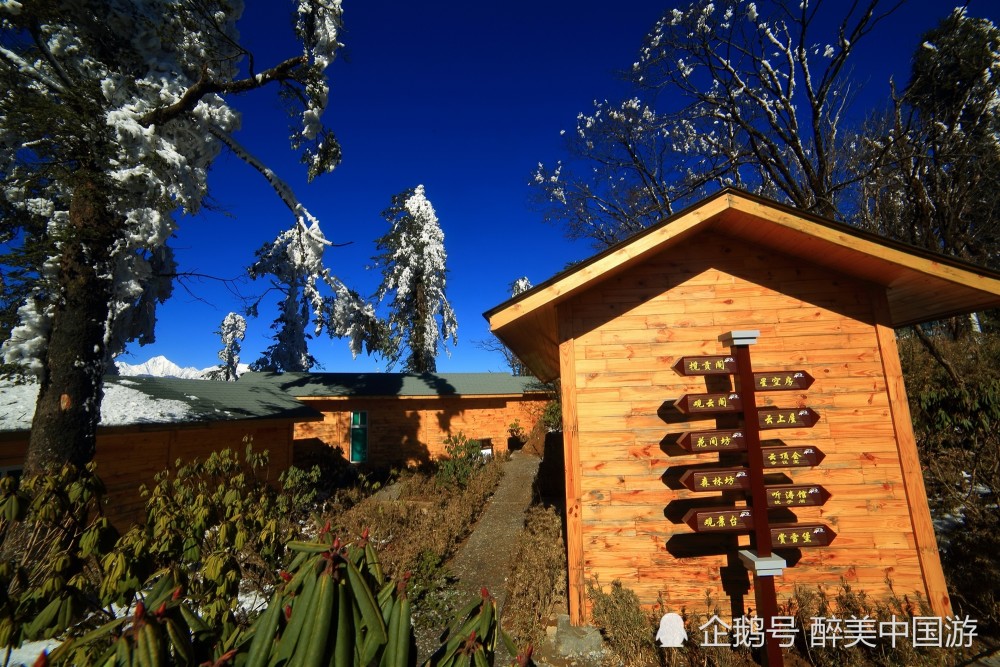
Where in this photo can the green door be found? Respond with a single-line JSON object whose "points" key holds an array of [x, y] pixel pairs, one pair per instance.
{"points": [[359, 437]]}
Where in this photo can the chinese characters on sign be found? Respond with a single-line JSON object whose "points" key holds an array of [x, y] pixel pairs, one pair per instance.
{"points": [[716, 479], [712, 441], [796, 418], [739, 520], [796, 495], [801, 535], [792, 457], [920, 631], [733, 479], [787, 381], [695, 403], [718, 365]]}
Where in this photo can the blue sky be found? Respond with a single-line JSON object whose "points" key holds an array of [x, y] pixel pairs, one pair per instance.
{"points": [[463, 97]]}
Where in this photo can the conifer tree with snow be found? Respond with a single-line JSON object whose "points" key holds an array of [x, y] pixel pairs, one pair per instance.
{"points": [[412, 261], [289, 352], [291, 264], [232, 331], [112, 114]]}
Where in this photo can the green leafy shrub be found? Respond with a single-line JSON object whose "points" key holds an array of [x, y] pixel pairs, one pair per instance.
{"points": [[215, 518], [552, 416], [333, 606], [211, 525], [53, 534], [517, 432], [463, 457]]}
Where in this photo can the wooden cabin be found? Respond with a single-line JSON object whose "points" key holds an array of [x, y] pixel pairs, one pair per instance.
{"points": [[151, 422], [826, 299], [404, 419]]}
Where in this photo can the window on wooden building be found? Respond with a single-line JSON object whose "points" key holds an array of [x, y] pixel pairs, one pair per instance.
{"points": [[359, 437]]}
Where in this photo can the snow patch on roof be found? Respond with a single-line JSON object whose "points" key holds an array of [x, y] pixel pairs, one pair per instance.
{"points": [[122, 405]]}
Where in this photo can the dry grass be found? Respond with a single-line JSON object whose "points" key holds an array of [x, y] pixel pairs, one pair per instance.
{"points": [[537, 577], [421, 530], [627, 629]]}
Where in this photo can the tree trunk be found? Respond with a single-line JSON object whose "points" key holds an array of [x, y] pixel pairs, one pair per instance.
{"points": [[67, 412]]}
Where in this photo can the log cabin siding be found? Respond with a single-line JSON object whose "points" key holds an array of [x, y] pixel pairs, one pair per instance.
{"points": [[412, 430], [628, 331]]}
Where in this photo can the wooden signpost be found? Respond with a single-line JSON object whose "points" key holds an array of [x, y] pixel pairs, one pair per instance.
{"points": [[753, 518]]}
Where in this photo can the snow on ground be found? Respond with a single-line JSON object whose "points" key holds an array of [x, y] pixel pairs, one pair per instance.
{"points": [[121, 405], [28, 652]]}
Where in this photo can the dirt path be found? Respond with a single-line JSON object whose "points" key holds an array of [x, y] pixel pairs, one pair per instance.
{"points": [[483, 561]]}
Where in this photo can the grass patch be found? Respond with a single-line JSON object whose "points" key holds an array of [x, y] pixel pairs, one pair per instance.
{"points": [[420, 529]]}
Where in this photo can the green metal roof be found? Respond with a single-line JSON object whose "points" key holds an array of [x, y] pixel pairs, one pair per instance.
{"points": [[210, 400], [316, 385]]}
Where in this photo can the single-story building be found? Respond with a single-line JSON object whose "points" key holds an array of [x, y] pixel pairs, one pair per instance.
{"points": [[826, 299], [404, 419], [148, 423]]}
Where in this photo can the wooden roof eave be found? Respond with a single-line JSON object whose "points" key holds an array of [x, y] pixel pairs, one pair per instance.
{"points": [[920, 286], [528, 324]]}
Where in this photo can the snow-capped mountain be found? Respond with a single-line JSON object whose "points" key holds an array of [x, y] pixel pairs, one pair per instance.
{"points": [[162, 367]]}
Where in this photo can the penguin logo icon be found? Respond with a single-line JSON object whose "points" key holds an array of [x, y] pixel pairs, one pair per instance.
{"points": [[671, 633]]}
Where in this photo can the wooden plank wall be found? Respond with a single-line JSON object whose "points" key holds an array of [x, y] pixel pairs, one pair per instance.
{"points": [[129, 458], [630, 330], [409, 431]]}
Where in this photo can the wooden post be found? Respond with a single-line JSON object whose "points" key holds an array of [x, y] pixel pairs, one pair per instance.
{"points": [[924, 538], [577, 589], [767, 601]]}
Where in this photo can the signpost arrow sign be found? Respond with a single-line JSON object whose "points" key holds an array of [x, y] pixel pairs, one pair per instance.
{"points": [[796, 495], [700, 403], [805, 456], [712, 441], [740, 520], [719, 519], [706, 365], [769, 418], [726, 365], [732, 479], [782, 381], [799, 535], [716, 479]]}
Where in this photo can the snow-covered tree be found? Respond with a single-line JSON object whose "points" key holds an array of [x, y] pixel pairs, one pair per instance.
{"points": [[728, 92], [494, 344], [937, 155], [292, 263], [412, 260], [289, 351], [520, 286], [111, 115], [937, 184], [232, 331]]}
